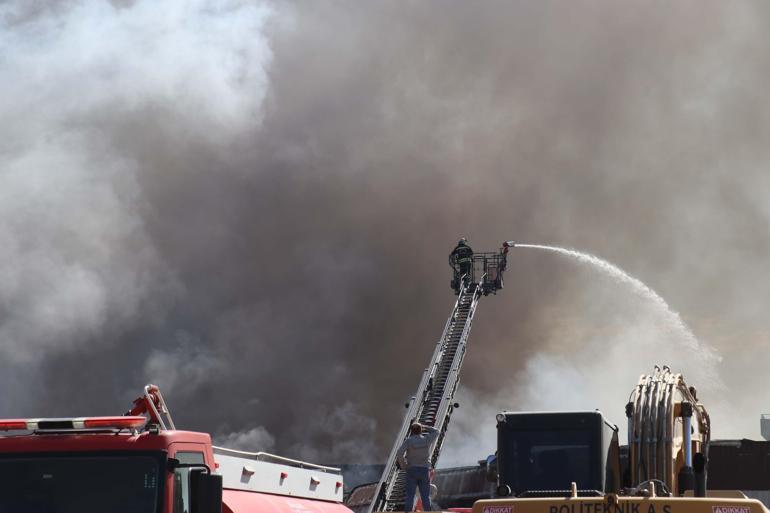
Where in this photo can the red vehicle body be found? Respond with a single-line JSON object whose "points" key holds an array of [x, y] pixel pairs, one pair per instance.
{"points": [[58, 468]]}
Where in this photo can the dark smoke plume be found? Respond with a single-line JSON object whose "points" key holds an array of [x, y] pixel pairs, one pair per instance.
{"points": [[251, 205]]}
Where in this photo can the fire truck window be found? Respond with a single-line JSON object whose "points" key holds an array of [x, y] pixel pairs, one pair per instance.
{"points": [[75, 483], [182, 480]]}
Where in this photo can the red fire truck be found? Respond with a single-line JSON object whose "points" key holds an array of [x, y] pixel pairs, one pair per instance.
{"points": [[140, 463]]}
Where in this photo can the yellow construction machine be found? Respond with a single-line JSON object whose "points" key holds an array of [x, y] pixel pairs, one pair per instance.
{"points": [[571, 462]]}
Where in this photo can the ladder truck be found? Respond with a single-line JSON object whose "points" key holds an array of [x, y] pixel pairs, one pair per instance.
{"points": [[432, 403], [141, 463]]}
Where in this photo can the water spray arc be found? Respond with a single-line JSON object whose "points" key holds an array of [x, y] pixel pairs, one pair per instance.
{"points": [[672, 321]]}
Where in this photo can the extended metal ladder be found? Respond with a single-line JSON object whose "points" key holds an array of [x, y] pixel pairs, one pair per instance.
{"points": [[432, 404]]}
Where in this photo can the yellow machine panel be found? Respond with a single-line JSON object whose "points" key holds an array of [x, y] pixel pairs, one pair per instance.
{"points": [[615, 504]]}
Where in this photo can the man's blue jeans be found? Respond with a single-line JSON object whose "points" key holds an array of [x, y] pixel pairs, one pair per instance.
{"points": [[417, 476]]}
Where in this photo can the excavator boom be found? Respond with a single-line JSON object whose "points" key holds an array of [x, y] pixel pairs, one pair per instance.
{"points": [[668, 433]]}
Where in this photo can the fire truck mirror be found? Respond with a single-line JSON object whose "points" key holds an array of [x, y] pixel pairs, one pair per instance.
{"points": [[205, 492]]}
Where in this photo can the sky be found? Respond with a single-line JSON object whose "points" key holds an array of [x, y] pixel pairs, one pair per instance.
{"points": [[250, 204]]}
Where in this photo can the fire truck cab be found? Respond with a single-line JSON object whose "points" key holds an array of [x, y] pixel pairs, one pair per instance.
{"points": [[138, 464], [106, 469]]}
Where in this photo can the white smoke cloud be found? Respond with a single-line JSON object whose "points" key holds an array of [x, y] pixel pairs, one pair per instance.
{"points": [[342, 432], [205, 58], [252, 440], [183, 368], [75, 258], [61, 220]]}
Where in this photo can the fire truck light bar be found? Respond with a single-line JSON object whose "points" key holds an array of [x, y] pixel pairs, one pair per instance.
{"points": [[12, 424], [116, 422], [128, 422]]}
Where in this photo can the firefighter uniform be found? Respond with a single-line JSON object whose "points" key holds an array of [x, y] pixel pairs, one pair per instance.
{"points": [[462, 256]]}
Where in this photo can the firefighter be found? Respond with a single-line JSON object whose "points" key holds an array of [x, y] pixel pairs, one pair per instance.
{"points": [[417, 463], [462, 256]]}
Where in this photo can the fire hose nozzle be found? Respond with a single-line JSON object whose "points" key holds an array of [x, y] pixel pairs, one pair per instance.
{"points": [[509, 244]]}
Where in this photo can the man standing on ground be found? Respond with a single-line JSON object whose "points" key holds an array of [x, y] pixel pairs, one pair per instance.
{"points": [[417, 448]]}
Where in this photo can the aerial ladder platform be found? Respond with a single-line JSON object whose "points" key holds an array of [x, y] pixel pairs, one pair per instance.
{"points": [[433, 404]]}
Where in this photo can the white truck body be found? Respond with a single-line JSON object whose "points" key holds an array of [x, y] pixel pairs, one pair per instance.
{"points": [[268, 473]]}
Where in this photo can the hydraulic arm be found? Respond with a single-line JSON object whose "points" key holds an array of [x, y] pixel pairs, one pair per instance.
{"points": [[668, 433]]}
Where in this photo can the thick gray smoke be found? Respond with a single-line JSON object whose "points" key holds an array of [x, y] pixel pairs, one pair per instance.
{"points": [[251, 204]]}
